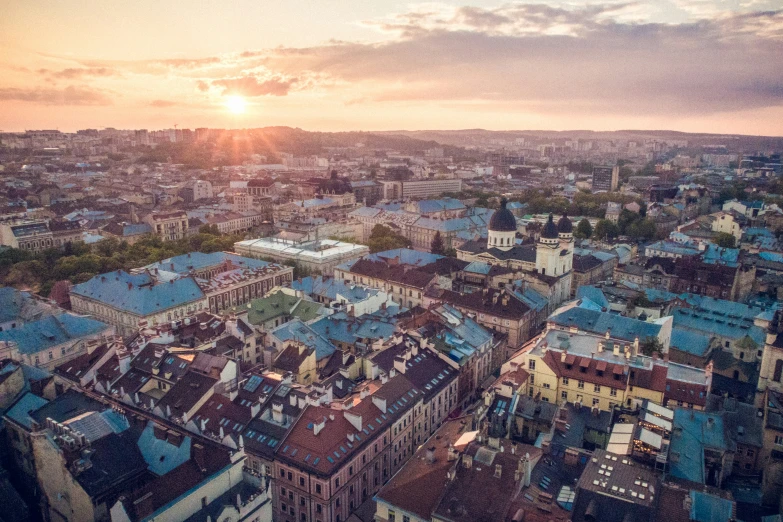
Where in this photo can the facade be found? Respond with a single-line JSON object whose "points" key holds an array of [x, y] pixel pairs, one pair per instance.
{"points": [[169, 226], [53, 339], [420, 188], [38, 235], [601, 373], [606, 178]]}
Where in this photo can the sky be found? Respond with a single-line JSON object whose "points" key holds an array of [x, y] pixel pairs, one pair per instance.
{"points": [[335, 65]]}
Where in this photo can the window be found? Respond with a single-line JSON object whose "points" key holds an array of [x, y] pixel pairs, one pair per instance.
{"points": [[779, 440], [595, 401], [290, 476], [580, 385], [318, 508], [565, 381], [337, 483], [776, 375], [564, 395], [318, 488], [392, 516], [301, 481], [613, 392], [532, 364], [597, 388]]}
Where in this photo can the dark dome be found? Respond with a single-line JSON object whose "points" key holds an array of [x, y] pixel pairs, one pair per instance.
{"points": [[550, 229], [564, 226], [503, 220]]}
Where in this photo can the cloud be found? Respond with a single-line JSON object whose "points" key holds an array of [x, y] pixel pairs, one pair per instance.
{"points": [[553, 59], [74, 72], [47, 96], [163, 103], [251, 86]]}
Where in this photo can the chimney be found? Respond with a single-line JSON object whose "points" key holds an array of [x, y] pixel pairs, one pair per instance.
{"points": [[124, 358], [199, 457], [379, 403], [563, 356], [354, 419], [600, 347], [527, 469], [452, 455], [364, 393], [399, 364], [431, 454], [467, 461], [616, 350], [498, 470], [277, 413], [319, 425]]}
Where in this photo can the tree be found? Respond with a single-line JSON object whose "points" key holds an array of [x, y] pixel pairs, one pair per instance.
{"points": [[384, 238], [584, 229], [605, 229], [437, 247], [725, 240], [649, 345]]}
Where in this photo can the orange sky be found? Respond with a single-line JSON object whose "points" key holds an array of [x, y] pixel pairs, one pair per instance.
{"points": [[691, 65]]}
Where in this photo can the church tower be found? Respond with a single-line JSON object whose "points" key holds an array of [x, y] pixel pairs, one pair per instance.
{"points": [[565, 233], [548, 250], [502, 229], [771, 373]]}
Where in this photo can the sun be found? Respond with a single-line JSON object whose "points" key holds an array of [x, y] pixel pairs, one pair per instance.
{"points": [[236, 104]]}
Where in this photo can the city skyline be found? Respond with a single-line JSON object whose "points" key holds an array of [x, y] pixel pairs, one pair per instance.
{"points": [[685, 65]]}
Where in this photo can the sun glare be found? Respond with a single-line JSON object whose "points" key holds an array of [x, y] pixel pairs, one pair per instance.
{"points": [[236, 104]]}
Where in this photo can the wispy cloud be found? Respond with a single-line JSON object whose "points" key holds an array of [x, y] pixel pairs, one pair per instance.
{"points": [[70, 95], [253, 86], [72, 73]]}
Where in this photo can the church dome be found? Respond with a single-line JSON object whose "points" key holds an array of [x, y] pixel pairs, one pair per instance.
{"points": [[564, 226], [550, 229], [503, 220]]}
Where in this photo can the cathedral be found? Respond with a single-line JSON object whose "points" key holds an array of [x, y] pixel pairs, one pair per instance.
{"points": [[545, 266]]}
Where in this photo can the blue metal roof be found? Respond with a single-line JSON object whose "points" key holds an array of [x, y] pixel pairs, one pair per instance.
{"points": [[52, 330], [198, 260], [600, 322], [690, 342], [299, 331], [138, 294], [594, 294], [11, 303], [709, 508], [20, 412]]}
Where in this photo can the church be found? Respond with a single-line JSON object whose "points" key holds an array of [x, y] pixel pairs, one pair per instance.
{"points": [[545, 266]]}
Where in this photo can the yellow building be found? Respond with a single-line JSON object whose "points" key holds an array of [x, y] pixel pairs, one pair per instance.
{"points": [[601, 373]]}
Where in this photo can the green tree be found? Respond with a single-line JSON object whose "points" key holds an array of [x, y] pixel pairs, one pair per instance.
{"points": [[605, 229], [437, 246], [384, 238], [649, 345], [725, 240], [583, 229]]}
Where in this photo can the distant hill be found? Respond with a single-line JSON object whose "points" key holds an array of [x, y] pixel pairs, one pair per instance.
{"points": [[467, 137]]}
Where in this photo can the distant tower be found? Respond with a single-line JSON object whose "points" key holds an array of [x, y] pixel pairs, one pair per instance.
{"points": [[502, 228], [548, 250], [565, 232], [771, 373]]}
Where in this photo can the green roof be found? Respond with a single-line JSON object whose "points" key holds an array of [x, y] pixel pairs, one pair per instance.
{"points": [[279, 304]]}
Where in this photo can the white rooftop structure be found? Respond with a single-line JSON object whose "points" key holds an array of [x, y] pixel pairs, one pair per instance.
{"points": [[320, 256], [620, 439]]}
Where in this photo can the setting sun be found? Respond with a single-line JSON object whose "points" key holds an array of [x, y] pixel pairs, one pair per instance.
{"points": [[236, 104]]}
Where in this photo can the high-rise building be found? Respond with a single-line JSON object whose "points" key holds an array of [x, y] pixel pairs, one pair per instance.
{"points": [[606, 178]]}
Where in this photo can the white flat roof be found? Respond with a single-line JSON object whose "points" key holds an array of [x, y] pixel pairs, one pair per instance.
{"points": [[666, 413], [650, 438]]}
